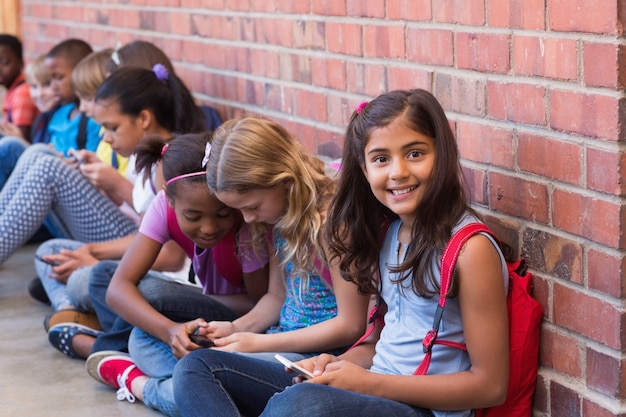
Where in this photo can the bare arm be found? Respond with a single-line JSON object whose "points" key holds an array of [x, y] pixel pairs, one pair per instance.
{"points": [[483, 309]]}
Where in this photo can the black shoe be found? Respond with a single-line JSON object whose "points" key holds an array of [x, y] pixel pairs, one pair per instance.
{"points": [[36, 290]]}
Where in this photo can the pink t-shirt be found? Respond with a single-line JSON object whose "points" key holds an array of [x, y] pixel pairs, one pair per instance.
{"points": [[154, 226]]}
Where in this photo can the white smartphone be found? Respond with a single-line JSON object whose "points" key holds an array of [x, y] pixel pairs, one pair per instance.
{"points": [[293, 366]]}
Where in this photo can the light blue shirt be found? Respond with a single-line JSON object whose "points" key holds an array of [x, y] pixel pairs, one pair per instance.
{"points": [[409, 318]]}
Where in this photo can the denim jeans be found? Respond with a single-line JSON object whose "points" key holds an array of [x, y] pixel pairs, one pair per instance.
{"points": [[74, 294], [11, 148], [175, 301], [213, 383], [304, 400]]}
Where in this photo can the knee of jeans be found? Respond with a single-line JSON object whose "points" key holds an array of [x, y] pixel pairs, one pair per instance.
{"points": [[101, 273], [77, 288]]}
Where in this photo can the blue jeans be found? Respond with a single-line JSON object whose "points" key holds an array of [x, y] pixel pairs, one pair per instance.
{"points": [[175, 301], [304, 400], [213, 383], [74, 294], [11, 148]]}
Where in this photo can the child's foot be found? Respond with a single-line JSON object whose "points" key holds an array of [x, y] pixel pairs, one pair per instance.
{"points": [[62, 338], [89, 319], [119, 371]]}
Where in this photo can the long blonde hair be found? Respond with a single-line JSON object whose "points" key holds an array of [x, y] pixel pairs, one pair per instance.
{"points": [[255, 153]]}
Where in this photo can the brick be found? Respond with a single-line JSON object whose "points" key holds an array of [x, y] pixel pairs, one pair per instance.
{"points": [[340, 109], [430, 46], [413, 10], [460, 94], [274, 30], [587, 114], [600, 64], [240, 5], [606, 273], [522, 103], [294, 68], [329, 73], [329, 7], [582, 16], [517, 14], [369, 80], [295, 6], [622, 64], [467, 12], [477, 185], [180, 22], [330, 144], [560, 257], [344, 38], [214, 4], [541, 291], [274, 96], [308, 35], [561, 352], [405, 78], [573, 309], [605, 373], [311, 105], [264, 62], [588, 217], [384, 42], [518, 197], [550, 158], [200, 25], [547, 57], [604, 170], [191, 52], [564, 402], [360, 8], [483, 52], [486, 144]]}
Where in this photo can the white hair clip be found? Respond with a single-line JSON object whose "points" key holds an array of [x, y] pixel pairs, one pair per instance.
{"points": [[115, 56], [207, 154]]}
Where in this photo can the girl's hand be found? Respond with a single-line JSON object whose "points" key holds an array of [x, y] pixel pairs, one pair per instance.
{"points": [[217, 329], [180, 342], [316, 365], [70, 261], [345, 375], [102, 176], [239, 342]]}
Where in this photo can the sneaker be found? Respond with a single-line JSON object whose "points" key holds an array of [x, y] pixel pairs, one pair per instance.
{"points": [[37, 291], [94, 360], [118, 371]]}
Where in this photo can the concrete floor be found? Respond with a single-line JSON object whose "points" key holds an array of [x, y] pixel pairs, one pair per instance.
{"points": [[36, 380]]}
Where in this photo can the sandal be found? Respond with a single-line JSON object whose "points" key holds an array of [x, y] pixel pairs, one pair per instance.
{"points": [[61, 336]]}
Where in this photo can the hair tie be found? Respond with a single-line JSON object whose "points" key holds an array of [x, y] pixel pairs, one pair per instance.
{"points": [[164, 148], [360, 107], [161, 72], [115, 56], [207, 154]]}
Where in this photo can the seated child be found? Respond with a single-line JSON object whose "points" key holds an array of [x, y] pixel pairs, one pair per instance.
{"points": [[18, 107]]}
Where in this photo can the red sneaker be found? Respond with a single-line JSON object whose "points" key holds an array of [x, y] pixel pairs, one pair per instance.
{"points": [[119, 371]]}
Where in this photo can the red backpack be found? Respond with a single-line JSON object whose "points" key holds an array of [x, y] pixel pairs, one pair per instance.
{"points": [[525, 315]]}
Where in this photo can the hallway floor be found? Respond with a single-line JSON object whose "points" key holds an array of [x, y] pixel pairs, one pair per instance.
{"points": [[36, 380]]}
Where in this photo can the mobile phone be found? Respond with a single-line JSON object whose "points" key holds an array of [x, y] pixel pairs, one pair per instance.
{"points": [[52, 263], [72, 152], [200, 340], [290, 365]]}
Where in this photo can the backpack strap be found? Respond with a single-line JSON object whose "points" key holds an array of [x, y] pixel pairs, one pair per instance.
{"points": [[81, 136], [448, 262]]}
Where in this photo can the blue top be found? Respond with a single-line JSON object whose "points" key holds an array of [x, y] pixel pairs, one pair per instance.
{"points": [[63, 131], [409, 317], [309, 300]]}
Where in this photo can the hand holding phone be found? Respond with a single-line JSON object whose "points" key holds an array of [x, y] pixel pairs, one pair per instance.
{"points": [[290, 365], [200, 340], [74, 154], [49, 262]]}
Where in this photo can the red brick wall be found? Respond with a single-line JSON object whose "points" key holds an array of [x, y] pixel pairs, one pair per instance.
{"points": [[533, 88]]}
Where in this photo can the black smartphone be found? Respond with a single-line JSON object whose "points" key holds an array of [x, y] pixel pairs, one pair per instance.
{"points": [[201, 340], [52, 263]]}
